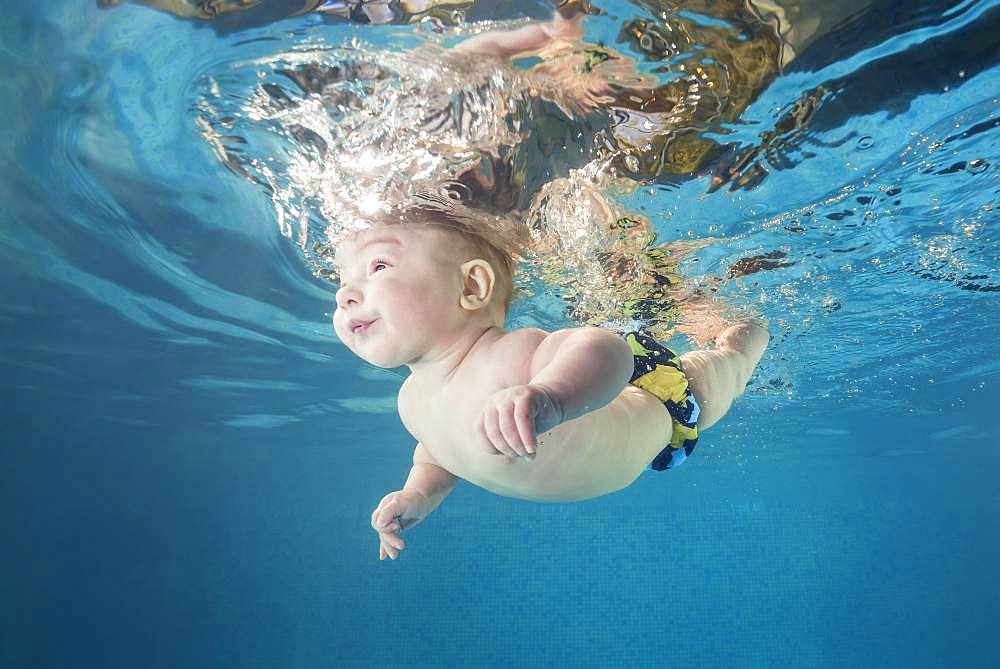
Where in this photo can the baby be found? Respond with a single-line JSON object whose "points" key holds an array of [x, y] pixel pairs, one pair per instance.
{"points": [[545, 416]]}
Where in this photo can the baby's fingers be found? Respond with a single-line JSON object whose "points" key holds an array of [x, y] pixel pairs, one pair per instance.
{"points": [[386, 518], [524, 420], [385, 515], [510, 430], [389, 546], [393, 527], [484, 438], [491, 434]]}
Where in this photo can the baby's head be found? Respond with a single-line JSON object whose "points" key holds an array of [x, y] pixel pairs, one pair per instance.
{"points": [[418, 278]]}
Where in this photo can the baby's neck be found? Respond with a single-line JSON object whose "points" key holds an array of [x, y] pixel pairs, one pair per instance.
{"points": [[437, 368]]}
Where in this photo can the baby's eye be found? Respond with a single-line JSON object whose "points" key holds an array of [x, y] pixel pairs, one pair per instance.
{"points": [[378, 264]]}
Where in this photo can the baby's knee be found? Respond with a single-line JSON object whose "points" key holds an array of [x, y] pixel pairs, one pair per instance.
{"points": [[743, 345], [748, 338]]}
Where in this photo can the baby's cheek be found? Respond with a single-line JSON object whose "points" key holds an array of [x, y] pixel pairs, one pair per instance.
{"points": [[338, 327]]}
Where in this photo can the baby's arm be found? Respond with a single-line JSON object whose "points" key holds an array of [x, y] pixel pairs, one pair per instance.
{"points": [[523, 41], [572, 372], [425, 488], [581, 369]]}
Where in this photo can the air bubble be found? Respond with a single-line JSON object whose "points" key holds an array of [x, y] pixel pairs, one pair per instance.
{"points": [[977, 166]]}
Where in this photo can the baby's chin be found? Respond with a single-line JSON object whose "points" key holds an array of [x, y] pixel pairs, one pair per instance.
{"points": [[383, 364], [382, 361]]}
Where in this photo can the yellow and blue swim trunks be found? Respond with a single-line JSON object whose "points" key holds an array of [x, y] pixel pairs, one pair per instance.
{"points": [[657, 370]]}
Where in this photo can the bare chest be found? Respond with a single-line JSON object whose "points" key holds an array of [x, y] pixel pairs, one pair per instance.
{"points": [[444, 422]]}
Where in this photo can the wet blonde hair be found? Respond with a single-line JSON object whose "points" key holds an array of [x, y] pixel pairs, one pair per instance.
{"points": [[496, 238]]}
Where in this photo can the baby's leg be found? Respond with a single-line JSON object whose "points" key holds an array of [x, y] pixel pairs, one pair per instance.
{"points": [[718, 376]]}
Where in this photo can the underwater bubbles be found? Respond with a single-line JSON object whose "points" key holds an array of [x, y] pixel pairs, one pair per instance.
{"points": [[977, 166]]}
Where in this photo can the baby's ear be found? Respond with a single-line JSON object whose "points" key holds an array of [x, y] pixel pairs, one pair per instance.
{"points": [[478, 281]]}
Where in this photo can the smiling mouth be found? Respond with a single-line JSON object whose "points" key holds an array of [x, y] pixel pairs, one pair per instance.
{"points": [[361, 327]]}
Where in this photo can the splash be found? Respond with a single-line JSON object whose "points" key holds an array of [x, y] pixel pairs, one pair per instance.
{"points": [[339, 134], [336, 135]]}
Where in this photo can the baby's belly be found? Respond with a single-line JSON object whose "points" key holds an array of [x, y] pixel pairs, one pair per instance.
{"points": [[598, 453]]}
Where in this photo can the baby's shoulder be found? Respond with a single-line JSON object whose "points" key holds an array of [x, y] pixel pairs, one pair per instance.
{"points": [[512, 353], [523, 338], [519, 342]]}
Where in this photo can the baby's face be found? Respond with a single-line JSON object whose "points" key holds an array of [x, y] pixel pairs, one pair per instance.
{"points": [[399, 294]]}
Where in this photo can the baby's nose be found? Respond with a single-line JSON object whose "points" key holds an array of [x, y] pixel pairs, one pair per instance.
{"points": [[348, 296]]}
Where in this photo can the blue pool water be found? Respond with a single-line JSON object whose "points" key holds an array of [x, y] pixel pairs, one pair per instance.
{"points": [[190, 458]]}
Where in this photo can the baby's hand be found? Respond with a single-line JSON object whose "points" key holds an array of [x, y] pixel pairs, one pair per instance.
{"points": [[513, 418], [396, 512]]}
